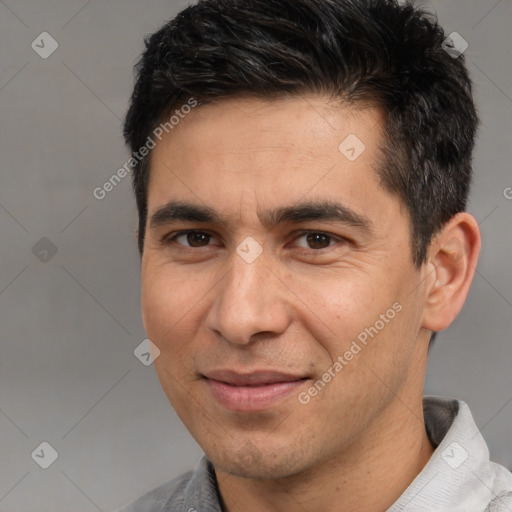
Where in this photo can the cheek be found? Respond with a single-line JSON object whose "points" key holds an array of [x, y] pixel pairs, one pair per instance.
{"points": [[366, 316], [170, 311], [169, 302], [344, 303]]}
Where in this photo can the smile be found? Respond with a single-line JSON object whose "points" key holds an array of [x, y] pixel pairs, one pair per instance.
{"points": [[253, 392]]}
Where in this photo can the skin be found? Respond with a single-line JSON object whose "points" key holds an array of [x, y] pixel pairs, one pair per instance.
{"points": [[361, 440]]}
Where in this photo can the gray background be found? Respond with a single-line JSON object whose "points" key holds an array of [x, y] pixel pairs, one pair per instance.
{"points": [[69, 325]]}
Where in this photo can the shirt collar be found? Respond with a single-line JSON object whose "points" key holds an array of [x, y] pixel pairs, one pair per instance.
{"points": [[459, 476], [202, 492]]}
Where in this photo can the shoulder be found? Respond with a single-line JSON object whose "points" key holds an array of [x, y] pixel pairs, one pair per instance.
{"points": [[163, 497]]}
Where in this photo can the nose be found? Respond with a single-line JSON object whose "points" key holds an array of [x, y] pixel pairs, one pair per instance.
{"points": [[252, 299]]}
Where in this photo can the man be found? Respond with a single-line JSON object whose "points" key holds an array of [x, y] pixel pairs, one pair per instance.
{"points": [[306, 167]]}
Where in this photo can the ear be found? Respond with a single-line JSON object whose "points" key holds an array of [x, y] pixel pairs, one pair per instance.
{"points": [[452, 258]]}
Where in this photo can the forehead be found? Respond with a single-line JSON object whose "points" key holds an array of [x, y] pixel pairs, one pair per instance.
{"points": [[244, 150], [307, 125]]}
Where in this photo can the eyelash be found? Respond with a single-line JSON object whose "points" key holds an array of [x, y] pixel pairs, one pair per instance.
{"points": [[171, 239]]}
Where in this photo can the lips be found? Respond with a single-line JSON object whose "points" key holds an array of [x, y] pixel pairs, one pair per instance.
{"points": [[255, 391], [255, 378]]}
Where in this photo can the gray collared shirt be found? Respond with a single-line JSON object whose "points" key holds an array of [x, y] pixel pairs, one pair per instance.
{"points": [[459, 477]]}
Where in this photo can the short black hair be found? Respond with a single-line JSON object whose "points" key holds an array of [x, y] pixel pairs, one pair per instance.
{"points": [[384, 53]]}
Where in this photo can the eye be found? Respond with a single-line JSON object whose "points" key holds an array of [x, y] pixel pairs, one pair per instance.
{"points": [[317, 240], [312, 240], [190, 239]]}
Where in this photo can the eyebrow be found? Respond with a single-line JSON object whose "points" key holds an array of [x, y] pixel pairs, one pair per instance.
{"points": [[181, 211]]}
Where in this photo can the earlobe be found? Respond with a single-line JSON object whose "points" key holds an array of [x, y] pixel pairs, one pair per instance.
{"points": [[453, 255]]}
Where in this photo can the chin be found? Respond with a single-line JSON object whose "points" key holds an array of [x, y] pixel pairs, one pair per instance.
{"points": [[251, 461]]}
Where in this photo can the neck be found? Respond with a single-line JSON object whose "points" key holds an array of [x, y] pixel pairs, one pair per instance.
{"points": [[370, 476]]}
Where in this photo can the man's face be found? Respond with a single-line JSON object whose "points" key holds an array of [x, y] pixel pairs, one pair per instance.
{"points": [[259, 301]]}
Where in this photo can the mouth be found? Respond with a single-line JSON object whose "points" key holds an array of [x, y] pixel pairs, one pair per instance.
{"points": [[251, 392]]}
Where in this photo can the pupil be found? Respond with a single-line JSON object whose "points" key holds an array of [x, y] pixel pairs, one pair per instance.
{"points": [[315, 239], [195, 239]]}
